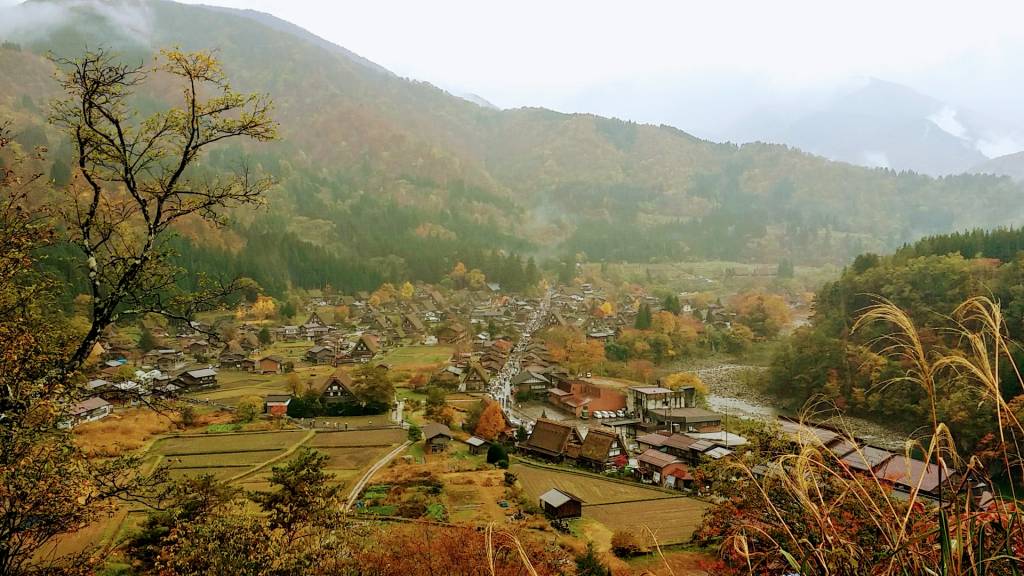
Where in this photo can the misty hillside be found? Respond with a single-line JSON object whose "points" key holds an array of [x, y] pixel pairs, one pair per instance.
{"points": [[1011, 165], [388, 177]]}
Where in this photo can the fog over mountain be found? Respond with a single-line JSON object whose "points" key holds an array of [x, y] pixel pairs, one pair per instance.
{"points": [[765, 76]]}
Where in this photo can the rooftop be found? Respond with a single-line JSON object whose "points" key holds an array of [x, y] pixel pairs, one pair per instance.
{"points": [[557, 498]]}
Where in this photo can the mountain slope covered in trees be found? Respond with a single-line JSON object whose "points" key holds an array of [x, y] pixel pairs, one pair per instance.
{"points": [[391, 178], [928, 280]]}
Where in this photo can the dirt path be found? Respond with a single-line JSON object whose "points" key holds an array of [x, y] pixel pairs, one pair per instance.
{"points": [[358, 488]]}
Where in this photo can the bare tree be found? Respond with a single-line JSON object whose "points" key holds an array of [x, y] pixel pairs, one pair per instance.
{"points": [[136, 177]]}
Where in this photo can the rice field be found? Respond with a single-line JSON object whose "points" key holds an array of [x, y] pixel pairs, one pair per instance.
{"points": [[619, 506], [227, 443], [217, 460], [353, 458], [671, 520], [591, 489], [413, 358], [342, 439]]}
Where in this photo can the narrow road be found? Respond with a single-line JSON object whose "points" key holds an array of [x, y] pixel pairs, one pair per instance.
{"points": [[358, 488], [501, 385]]}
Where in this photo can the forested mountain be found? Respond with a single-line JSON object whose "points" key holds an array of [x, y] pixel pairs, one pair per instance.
{"points": [[393, 178], [928, 280]]}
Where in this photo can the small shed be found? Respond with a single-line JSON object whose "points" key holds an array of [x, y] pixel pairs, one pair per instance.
{"points": [[476, 444], [558, 504], [277, 404], [436, 436]]}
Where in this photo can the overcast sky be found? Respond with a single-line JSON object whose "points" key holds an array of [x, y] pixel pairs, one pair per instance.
{"points": [[698, 65], [553, 53]]}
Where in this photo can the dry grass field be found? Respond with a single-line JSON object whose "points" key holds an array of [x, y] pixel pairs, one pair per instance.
{"points": [[227, 443], [619, 506], [342, 439], [592, 490], [672, 520]]}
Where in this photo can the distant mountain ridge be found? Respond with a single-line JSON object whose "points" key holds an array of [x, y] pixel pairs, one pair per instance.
{"points": [[884, 124], [404, 177], [1011, 165]]}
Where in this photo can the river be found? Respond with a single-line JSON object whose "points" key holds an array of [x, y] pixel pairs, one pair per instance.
{"points": [[731, 393]]}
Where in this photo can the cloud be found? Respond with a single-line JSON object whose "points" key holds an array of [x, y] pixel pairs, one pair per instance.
{"points": [[36, 20], [946, 120]]}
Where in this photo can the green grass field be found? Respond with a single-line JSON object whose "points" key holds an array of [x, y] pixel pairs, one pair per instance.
{"points": [[235, 384], [417, 357]]}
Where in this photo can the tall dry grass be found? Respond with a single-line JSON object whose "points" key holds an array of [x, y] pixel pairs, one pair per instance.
{"points": [[820, 517]]}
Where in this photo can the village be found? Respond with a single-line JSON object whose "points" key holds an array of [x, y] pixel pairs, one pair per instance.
{"points": [[466, 406]]}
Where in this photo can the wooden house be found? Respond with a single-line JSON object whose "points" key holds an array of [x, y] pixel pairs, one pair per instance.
{"points": [[248, 364], [250, 342], [88, 410], [337, 388], [164, 359], [553, 440], [476, 444], [451, 333], [198, 379], [364, 350], [320, 355], [583, 398], [436, 437], [270, 365], [313, 321], [663, 469], [560, 505], [530, 383], [411, 324], [232, 355], [476, 378], [602, 449], [198, 348]]}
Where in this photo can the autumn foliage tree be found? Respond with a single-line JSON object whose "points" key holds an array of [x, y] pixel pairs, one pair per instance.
{"points": [[133, 180], [765, 314], [491, 423], [48, 486]]}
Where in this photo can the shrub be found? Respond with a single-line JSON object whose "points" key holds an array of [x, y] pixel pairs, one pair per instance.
{"points": [[496, 453], [188, 415], [589, 564], [415, 433], [625, 544], [249, 408]]}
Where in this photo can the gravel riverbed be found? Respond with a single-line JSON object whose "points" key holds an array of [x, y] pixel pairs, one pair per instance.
{"points": [[731, 393]]}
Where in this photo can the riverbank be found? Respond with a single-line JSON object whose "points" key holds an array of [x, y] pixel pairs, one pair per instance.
{"points": [[732, 392]]}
